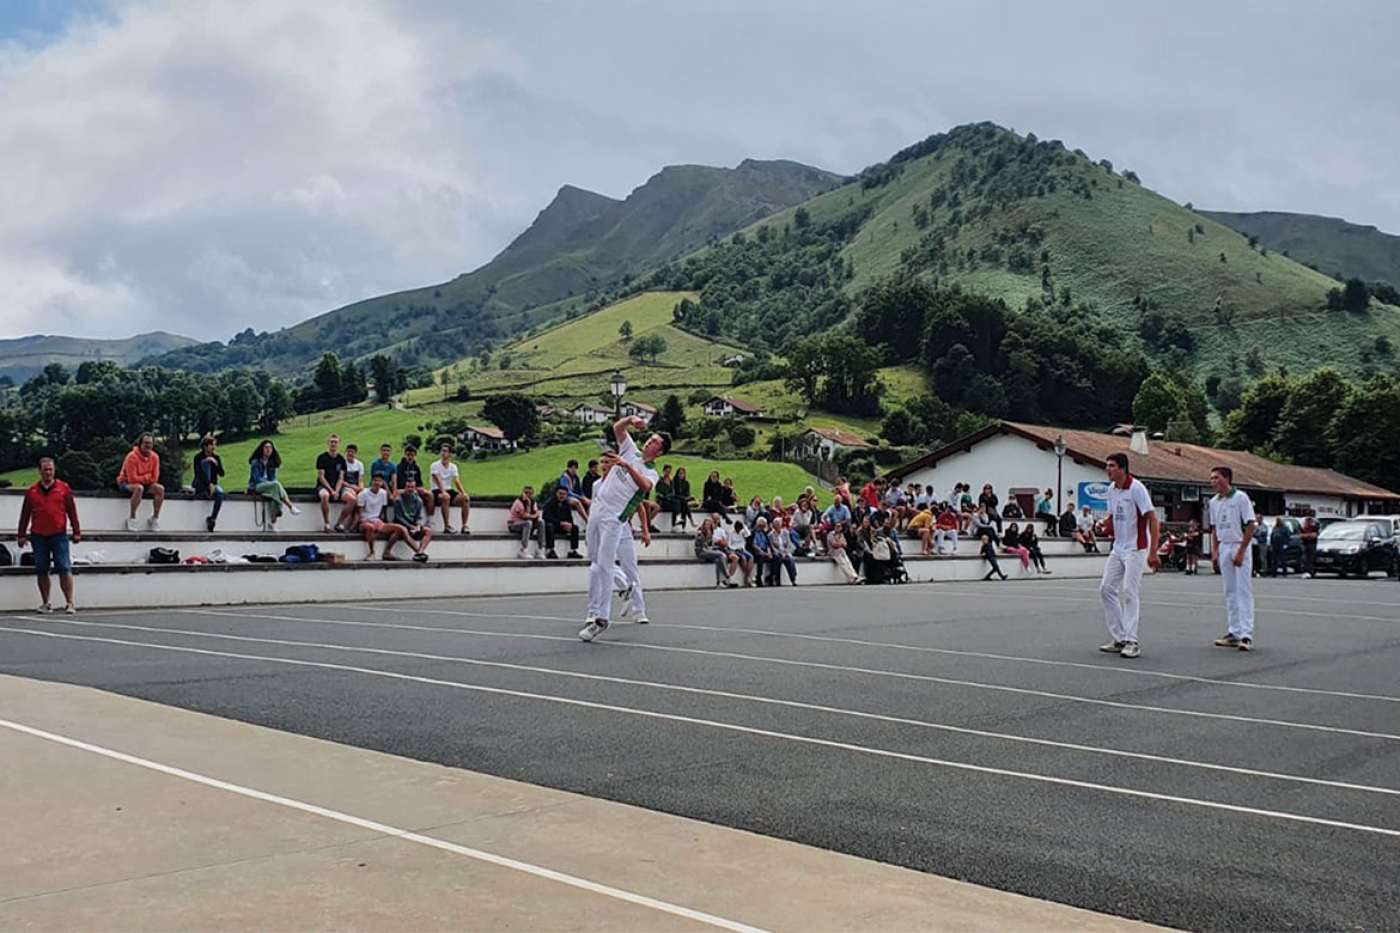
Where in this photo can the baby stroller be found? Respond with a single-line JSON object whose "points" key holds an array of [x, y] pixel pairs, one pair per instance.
{"points": [[883, 563]]}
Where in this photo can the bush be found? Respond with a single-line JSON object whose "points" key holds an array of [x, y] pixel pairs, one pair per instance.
{"points": [[464, 394], [413, 440], [741, 434]]}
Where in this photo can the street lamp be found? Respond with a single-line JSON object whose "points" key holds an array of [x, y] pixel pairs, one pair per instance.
{"points": [[618, 386], [1059, 472]]}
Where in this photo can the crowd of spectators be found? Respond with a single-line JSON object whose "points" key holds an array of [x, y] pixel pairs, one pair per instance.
{"points": [[755, 543]]}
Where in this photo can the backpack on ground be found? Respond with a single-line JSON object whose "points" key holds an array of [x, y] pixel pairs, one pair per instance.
{"points": [[163, 555], [301, 554]]}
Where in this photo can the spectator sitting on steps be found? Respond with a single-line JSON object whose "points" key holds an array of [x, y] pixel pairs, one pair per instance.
{"points": [[1012, 509], [447, 484], [1084, 531], [207, 470], [139, 476], [1045, 512], [1069, 521], [946, 532], [331, 486], [410, 515], [373, 504], [558, 514], [409, 468], [708, 550], [524, 520], [262, 481], [572, 485]]}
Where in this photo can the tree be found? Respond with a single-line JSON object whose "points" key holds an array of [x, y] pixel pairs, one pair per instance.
{"points": [[806, 364], [329, 380], [515, 414], [1355, 296], [671, 416], [740, 434], [388, 377], [900, 428], [277, 407], [625, 331], [1367, 428], [1303, 433], [1157, 402], [650, 346], [1252, 424]]}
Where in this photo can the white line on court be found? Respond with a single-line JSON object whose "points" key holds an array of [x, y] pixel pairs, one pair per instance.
{"points": [[1002, 593], [839, 668], [1126, 671], [732, 727], [548, 874], [771, 701]]}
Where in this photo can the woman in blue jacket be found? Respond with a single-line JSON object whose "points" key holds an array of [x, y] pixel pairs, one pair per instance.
{"points": [[262, 480]]}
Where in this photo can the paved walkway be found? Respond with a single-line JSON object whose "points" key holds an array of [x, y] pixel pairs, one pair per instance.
{"points": [[121, 814]]}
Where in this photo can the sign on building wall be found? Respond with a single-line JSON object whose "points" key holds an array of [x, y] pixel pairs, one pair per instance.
{"points": [[1095, 495]]}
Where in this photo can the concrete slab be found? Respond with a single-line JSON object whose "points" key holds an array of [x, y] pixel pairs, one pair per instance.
{"points": [[114, 845]]}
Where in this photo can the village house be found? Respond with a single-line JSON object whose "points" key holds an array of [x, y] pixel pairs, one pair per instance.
{"points": [[824, 443], [724, 406]]}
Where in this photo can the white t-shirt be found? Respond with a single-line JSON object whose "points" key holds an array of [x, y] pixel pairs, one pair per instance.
{"points": [[444, 474], [616, 495], [1129, 509], [1229, 515], [372, 504]]}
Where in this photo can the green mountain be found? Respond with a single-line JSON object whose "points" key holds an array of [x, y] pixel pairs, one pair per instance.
{"points": [[581, 244], [24, 357], [1043, 228], [1328, 244]]}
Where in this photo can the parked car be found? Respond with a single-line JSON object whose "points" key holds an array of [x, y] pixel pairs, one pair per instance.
{"points": [[1357, 546], [1392, 520]]}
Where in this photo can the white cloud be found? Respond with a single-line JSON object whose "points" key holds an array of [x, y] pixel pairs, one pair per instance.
{"points": [[203, 167]]}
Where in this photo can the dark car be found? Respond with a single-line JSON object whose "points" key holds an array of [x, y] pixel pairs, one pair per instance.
{"points": [[1357, 547]]}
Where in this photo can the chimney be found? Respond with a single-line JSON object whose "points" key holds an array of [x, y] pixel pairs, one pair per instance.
{"points": [[1138, 444]]}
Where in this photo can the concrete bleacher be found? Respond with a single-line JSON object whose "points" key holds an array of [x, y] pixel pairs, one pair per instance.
{"points": [[484, 563]]}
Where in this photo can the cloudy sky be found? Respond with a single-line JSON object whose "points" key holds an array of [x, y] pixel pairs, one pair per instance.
{"points": [[202, 166]]}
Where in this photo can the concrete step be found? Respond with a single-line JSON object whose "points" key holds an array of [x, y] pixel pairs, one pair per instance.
{"points": [[110, 586], [133, 548]]}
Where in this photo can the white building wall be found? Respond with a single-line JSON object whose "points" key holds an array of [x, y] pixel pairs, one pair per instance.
{"points": [[1323, 505], [1007, 462]]}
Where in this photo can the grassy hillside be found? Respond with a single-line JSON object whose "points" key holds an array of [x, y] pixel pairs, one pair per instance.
{"points": [[1332, 245], [24, 357]]}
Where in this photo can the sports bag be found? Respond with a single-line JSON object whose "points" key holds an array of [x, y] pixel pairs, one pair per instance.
{"points": [[301, 554], [163, 555]]}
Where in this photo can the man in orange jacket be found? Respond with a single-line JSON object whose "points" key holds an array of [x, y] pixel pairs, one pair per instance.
{"points": [[139, 475], [48, 506]]}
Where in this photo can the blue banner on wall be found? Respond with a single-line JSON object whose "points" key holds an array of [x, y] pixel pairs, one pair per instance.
{"points": [[1095, 496]]}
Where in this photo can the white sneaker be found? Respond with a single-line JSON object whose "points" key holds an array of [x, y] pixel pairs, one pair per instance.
{"points": [[131, 525], [70, 609], [272, 527], [1130, 650], [626, 602], [448, 529], [520, 554], [643, 620], [592, 629], [293, 509], [325, 527], [153, 524], [45, 609]]}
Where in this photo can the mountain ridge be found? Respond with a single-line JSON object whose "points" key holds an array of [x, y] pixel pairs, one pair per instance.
{"points": [[578, 246], [23, 357], [1332, 245]]}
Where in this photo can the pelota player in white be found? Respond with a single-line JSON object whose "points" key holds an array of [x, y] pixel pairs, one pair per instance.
{"points": [[616, 497]]}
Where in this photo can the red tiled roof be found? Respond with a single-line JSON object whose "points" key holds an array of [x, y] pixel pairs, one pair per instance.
{"points": [[1169, 462], [737, 404], [837, 436], [488, 432]]}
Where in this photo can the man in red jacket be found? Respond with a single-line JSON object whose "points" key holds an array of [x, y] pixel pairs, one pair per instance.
{"points": [[49, 504]]}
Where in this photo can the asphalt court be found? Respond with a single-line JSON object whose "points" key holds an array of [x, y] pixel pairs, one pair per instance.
{"points": [[970, 731]]}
